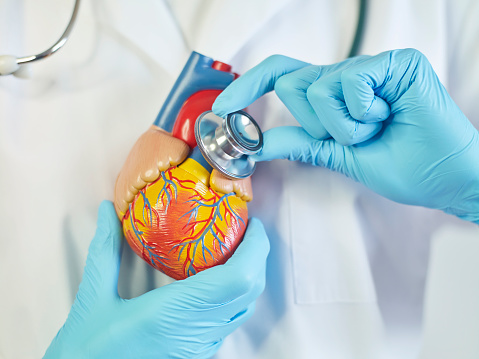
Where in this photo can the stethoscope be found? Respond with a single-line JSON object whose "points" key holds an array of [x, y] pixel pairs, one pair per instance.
{"points": [[12, 65], [226, 143]]}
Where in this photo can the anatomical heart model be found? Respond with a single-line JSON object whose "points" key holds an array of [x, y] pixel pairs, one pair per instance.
{"points": [[178, 214]]}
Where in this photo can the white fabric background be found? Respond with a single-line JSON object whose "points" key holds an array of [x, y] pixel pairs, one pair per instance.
{"points": [[347, 271]]}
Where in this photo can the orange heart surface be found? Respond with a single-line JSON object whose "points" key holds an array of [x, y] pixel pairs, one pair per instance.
{"points": [[180, 226]]}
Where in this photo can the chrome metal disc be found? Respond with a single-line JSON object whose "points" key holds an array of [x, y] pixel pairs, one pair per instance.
{"points": [[227, 143]]}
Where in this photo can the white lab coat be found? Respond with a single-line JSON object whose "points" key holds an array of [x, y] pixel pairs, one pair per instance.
{"points": [[348, 271]]}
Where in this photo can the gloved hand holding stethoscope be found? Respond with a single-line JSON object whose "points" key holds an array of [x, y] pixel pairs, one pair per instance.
{"points": [[385, 121]]}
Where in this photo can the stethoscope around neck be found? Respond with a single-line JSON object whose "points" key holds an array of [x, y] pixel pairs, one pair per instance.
{"points": [[12, 65]]}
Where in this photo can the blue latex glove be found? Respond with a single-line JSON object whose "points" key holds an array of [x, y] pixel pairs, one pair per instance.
{"points": [[185, 319], [394, 127]]}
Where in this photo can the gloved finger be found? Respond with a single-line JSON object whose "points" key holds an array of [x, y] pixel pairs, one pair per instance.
{"points": [[244, 272], [102, 267], [326, 97], [291, 90], [288, 142], [358, 85], [221, 330], [295, 144], [254, 83], [373, 85], [233, 310], [242, 316]]}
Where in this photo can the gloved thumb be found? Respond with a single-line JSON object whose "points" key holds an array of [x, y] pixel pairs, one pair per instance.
{"points": [[295, 144], [240, 280], [100, 276]]}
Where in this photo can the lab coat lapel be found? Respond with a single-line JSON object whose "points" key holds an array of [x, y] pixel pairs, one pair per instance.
{"points": [[148, 28], [167, 33], [227, 25]]}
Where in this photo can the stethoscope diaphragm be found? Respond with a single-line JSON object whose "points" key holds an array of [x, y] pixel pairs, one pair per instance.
{"points": [[227, 144]]}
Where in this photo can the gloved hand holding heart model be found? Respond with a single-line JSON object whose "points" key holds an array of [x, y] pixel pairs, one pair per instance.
{"points": [[178, 213]]}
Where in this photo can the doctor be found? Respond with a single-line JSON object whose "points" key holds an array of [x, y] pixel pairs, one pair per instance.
{"points": [[346, 273]]}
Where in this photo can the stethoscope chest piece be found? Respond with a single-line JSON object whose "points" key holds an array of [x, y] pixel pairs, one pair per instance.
{"points": [[227, 144]]}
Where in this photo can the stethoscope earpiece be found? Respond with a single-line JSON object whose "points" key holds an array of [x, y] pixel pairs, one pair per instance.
{"points": [[18, 66], [8, 65], [227, 144]]}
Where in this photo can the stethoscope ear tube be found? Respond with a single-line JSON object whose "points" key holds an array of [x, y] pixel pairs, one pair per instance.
{"points": [[11, 64]]}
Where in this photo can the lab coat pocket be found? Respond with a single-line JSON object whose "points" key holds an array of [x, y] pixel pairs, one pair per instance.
{"points": [[328, 255]]}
